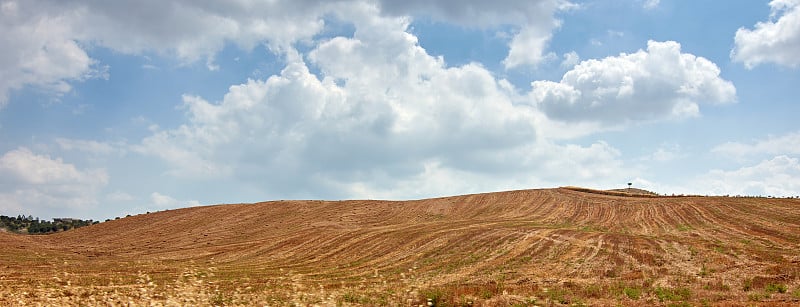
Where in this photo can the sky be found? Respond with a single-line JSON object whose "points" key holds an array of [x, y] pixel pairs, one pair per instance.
{"points": [[109, 108]]}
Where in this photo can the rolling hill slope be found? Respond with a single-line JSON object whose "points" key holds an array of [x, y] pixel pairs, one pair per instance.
{"points": [[491, 248]]}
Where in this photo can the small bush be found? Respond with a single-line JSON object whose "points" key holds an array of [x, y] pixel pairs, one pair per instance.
{"points": [[755, 297], [747, 285], [436, 296], [772, 288], [559, 295], [667, 294], [592, 291], [353, 298], [632, 293]]}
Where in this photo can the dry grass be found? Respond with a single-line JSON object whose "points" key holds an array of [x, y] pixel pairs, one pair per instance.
{"points": [[533, 247]]}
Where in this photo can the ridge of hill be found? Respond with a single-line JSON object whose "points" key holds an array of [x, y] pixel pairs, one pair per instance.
{"points": [[564, 245], [633, 192]]}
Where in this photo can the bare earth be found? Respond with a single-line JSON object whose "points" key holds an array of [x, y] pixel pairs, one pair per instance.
{"points": [[531, 247]]}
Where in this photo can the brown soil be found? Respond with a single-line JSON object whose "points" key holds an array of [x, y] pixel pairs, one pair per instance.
{"points": [[548, 246]]}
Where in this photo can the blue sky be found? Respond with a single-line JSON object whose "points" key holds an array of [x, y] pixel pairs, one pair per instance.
{"points": [[113, 108]]}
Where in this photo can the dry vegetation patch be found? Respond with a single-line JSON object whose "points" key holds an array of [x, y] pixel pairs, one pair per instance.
{"points": [[562, 246]]}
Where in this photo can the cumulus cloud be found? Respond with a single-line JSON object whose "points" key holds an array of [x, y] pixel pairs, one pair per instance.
{"points": [[527, 47], [788, 144], [31, 183], [534, 21], [195, 30], [376, 105], [774, 41], [46, 40], [383, 117], [658, 83], [39, 50], [779, 176], [570, 59]]}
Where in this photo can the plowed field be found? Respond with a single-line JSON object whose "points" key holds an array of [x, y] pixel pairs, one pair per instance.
{"points": [[530, 247]]}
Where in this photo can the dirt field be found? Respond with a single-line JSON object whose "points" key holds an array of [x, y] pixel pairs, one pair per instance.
{"points": [[531, 247]]}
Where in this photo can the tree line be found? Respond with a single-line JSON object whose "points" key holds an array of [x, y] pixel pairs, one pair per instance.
{"points": [[31, 225]]}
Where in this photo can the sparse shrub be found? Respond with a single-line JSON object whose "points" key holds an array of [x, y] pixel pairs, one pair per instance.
{"points": [[779, 288], [350, 297], [218, 299], [692, 251], [466, 301], [747, 284], [746, 241], [755, 297], [436, 296], [559, 295], [526, 303], [486, 294], [592, 291], [668, 294], [632, 293]]}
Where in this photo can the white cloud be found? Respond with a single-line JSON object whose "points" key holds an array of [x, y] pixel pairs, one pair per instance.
{"points": [[193, 30], [665, 153], [476, 12], [162, 201], [774, 41], [31, 183], [659, 83], [527, 47], [119, 196], [788, 144], [536, 165], [46, 41], [383, 118], [380, 106], [779, 176], [39, 50], [570, 59], [534, 20], [410, 106], [89, 146], [159, 202], [615, 34], [651, 4]]}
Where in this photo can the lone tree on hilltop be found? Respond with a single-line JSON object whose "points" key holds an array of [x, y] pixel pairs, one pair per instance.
{"points": [[630, 184]]}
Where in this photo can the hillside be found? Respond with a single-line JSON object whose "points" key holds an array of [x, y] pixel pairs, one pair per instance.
{"points": [[545, 246]]}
